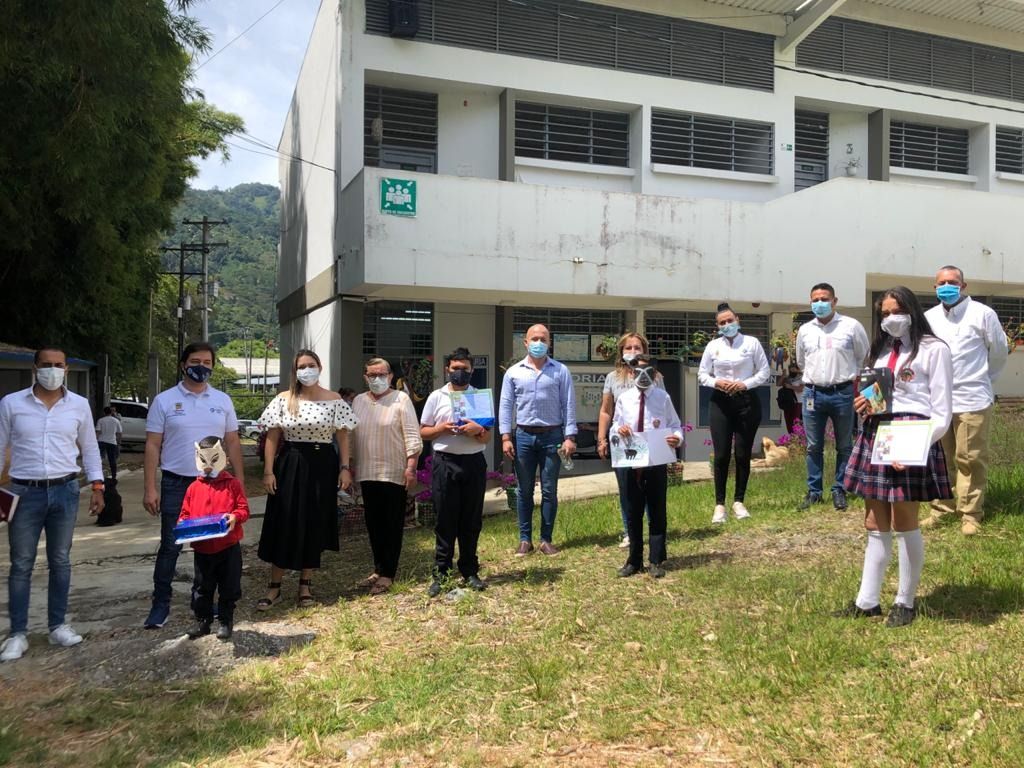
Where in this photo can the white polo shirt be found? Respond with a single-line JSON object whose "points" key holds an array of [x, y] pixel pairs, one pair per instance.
{"points": [[438, 410], [184, 418], [978, 344]]}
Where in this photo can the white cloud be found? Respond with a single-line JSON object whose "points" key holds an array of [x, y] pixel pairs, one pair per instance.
{"points": [[254, 78]]}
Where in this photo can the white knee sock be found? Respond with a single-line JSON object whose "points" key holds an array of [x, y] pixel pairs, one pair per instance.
{"points": [[911, 559], [876, 559]]}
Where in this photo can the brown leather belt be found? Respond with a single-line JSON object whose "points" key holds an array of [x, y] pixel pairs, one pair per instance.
{"points": [[539, 430]]}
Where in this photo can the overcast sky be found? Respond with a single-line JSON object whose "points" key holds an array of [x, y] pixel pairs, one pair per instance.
{"points": [[253, 78]]}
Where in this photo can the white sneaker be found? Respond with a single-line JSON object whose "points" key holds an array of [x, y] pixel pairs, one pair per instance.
{"points": [[719, 517], [740, 511], [14, 647], [624, 544], [64, 635]]}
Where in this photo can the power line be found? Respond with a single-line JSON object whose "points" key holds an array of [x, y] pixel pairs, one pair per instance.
{"points": [[238, 37]]}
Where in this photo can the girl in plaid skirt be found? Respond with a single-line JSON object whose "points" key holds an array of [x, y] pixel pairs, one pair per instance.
{"points": [[923, 376]]}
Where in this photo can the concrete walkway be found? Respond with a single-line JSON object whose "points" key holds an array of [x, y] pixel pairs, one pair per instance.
{"points": [[113, 567]]}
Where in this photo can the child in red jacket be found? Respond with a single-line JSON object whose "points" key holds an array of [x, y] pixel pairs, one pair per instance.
{"points": [[218, 562]]}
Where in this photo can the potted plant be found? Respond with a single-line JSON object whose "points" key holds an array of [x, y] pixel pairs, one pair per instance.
{"points": [[852, 165], [425, 513], [507, 485], [608, 348]]}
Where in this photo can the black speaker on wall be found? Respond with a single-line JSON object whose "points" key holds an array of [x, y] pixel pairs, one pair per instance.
{"points": [[403, 18]]}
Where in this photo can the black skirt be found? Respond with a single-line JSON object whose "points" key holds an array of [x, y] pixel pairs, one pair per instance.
{"points": [[301, 519]]}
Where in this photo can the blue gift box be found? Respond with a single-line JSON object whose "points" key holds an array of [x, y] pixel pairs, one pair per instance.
{"points": [[200, 528]]}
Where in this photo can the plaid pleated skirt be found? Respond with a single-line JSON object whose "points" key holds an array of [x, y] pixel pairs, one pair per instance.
{"points": [[883, 483]]}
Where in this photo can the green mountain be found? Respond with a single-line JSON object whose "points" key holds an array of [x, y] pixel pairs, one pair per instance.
{"points": [[246, 268]]}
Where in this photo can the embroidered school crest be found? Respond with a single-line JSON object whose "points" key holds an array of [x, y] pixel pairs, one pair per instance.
{"points": [[907, 375], [179, 407], [657, 423]]}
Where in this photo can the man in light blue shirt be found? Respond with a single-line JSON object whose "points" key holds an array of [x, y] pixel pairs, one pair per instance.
{"points": [[537, 392]]}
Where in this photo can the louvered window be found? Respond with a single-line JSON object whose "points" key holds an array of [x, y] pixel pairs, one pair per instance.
{"points": [[704, 141], [400, 129], [1009, 149], [886, 53], [928, 147], [811, 149], [398, 329], [605, 322], [588, 136], [674, 335], [593, 35]]}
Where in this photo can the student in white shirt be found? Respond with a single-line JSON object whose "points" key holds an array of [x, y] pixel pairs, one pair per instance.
{"points": [[829, 350], [978, 344], [47, 428], [458, 476], [734, 365], [630, 346], [641, 408], [108, 434], [923, 379]]}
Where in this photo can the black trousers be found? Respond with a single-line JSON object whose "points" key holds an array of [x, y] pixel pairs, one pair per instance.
{"points": [[457, 484], [220, 572], [739, 416], [646, 489], [385, 521], [111, 452]]}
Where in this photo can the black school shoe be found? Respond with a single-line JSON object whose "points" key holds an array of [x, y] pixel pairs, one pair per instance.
{"points": [[655, 571], [628, 570], [839, 499], [226, 629], [201, 627], [900, 616], [809, 501], [854, 611], [475, 582]]}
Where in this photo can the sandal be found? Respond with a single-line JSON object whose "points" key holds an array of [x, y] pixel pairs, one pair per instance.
{"points": [[381, 586], [307, 600], [266, 603]]}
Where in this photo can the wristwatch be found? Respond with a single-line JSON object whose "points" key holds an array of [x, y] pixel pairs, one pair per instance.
{"points": [[343, 467]]}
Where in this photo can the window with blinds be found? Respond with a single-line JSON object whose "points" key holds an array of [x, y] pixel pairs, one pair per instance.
{"points": [[810, 149], [929, 147], [607, 322], [705, 141], [885, 53], [399, 129], [1009, 149], [589, 136], [592, 35], [674, 335], [398, 329]]}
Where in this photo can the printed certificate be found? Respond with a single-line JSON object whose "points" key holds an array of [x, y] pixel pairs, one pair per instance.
{"points": [[902, 442], [477, 406], [642, 449]]}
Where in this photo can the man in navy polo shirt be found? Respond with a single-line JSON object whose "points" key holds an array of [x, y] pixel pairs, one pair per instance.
{"points": [[179, 418]]}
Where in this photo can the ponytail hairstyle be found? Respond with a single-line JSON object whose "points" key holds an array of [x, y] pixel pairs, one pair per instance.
{"points": [[295, 386]]}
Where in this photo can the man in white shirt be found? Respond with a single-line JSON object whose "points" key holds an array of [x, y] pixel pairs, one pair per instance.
{"points": [[458, 476], [179, 418], [830, 350], [47, 428], [108, 434], [979, 347]]}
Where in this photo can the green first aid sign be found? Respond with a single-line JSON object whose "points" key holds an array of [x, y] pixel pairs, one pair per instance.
{"points": [[398, 197]]}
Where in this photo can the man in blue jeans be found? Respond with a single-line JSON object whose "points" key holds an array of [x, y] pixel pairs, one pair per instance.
{"points": [[179, 418], [538, 392], [46, 427], [830, 349]]}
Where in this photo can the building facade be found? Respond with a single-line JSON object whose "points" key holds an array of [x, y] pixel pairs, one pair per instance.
{"points": [[470, 167]]}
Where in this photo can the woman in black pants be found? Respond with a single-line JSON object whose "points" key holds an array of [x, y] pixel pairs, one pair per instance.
{"points": [[733, 365]]}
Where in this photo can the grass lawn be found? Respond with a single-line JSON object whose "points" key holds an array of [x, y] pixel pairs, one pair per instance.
{"points": [[731, 659]]}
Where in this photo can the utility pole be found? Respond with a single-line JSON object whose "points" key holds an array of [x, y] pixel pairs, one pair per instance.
{"points": [[267, 344], [206, 223]]}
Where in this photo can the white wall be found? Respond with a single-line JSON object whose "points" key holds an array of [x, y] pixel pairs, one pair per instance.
{"points": [[467, 141], [317, 331], [847, 128]]}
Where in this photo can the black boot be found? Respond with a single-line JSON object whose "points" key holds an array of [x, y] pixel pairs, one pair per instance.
{"points": [[226, 628], [202, 627]]}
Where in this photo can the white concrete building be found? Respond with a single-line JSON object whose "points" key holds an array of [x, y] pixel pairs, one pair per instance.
{"points": [[627, 164]]}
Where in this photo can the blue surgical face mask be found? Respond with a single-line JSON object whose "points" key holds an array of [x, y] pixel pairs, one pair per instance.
{"points": [[729, 330], [948, 294], [821, 308], [537, 349], [198, 373]]}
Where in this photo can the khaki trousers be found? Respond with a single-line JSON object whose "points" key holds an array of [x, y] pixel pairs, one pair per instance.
{"points": [[966, 445]]}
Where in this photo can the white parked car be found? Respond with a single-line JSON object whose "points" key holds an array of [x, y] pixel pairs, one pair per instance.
{"points": [[249, 428], [133, 422]]}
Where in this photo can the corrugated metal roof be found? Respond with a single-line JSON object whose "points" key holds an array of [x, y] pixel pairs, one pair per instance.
{"points": [[1007, 15]]}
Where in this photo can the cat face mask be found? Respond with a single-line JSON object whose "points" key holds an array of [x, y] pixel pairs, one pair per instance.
{"points": [[211, 461]]}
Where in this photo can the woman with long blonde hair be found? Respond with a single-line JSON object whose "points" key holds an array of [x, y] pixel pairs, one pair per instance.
{"points": [[301, 519], [618, 380]]}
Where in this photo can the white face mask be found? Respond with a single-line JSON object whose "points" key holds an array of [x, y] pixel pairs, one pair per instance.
{"points": [[378, 385], [896, 325], [212, 458], [50, 378], [308, 376], [628, 357]]}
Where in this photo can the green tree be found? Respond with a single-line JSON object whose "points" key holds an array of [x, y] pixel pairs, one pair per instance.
{"points": [[101, 132]]}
